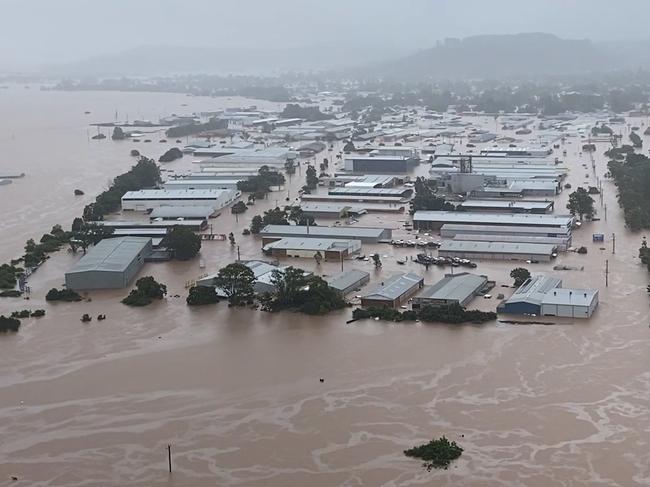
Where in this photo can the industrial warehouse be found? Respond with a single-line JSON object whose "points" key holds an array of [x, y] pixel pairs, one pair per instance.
{"points": [[348, 281], [497, 250], [329, 249], [148, 199], [394, 291], [111, 264], [434, 220], [453, 289], [545, 296], [367, 235]]}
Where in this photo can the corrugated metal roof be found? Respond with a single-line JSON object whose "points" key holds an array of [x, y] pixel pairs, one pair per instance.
{"points": [[112, 254], [495, 247], [454, 287], [534, 289], [315, 244], [348, 278], [394, 287], [449, 228], [570, 297], [321, 231], [488, 218], [172, 194]]}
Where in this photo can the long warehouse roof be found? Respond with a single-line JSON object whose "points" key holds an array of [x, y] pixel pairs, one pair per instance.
{"points": [[495, 247], [111, 254], [487, 218]]}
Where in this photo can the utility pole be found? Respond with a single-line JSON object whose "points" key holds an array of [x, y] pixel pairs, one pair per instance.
{"points": [[238, 255], [613, 243], [605, 211], [606, 273], [169, 457]]}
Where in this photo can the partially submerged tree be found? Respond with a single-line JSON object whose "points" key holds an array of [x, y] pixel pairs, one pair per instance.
{"points": [[183, 242], [520, 275], [236, 281], [581, 204]]}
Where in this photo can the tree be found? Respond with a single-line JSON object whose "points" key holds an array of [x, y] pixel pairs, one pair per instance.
{"points": [[377, 260], [348, 147], [118, 134], [436, 454], [62, 295], [581, 203], [520, 275], [290, 166], [90, 234], [171, 155], [236, 281], [256, 224], [231, 239], [200, 295], [238, 208], [311, 177], [294, 289], [146, 290], [183, 242], [637, 143]]}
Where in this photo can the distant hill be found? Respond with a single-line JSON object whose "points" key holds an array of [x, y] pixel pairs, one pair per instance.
{"points": [[169, 60], [497, 56]]}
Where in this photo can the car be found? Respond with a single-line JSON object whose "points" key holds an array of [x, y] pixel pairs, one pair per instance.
{"points": [[487, 296]]}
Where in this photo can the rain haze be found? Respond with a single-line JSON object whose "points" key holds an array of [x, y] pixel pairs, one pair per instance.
{"points": [[40, 33], [276, 243]]}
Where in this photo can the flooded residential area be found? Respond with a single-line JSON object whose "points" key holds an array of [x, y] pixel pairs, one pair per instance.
{"points": [[427, 196]]}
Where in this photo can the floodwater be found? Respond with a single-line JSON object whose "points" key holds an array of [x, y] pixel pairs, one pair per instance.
{"points": [[237, 393]]}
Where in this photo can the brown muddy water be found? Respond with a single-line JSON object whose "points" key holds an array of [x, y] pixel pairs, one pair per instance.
{"points": [[237, 393]]}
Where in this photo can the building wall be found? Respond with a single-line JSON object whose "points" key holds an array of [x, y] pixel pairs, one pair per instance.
{"points": [[521, 309], [376, 166], [494, 256], [379, 303]]}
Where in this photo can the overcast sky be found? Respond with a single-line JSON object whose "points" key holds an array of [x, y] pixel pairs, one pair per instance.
{"points": [[35, 32]]}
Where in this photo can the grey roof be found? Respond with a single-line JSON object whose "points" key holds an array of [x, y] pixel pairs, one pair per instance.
{"points": [[315, 244], [174, 194], [330, 208], [150, 224], [378, 157], [112, 254], [143, 232], [345, 279], [502, 229], [201, 183], [493, 218], [495, 247], [534, 290], [498, 204], [454, 287], [198, 212], [570, 297], [394, 287], [321, 231], [369, 191]]}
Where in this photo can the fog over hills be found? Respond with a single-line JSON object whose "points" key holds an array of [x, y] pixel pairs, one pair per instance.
{"points": [[169, 60], [482, 56]]}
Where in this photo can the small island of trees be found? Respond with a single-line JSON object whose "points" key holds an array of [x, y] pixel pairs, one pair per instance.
{"points": [[147, 289], [436, 454]]}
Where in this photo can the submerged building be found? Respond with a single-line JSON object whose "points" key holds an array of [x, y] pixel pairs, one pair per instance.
{"points": [[544, 296], [394, 291], [111, 264]]}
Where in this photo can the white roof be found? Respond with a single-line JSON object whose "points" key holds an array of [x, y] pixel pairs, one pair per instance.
{"points": [[175, 194]]}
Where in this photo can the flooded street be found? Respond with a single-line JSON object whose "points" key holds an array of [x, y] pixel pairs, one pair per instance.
{"points": [[236, 392]]}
